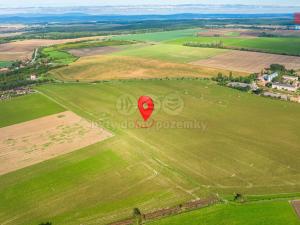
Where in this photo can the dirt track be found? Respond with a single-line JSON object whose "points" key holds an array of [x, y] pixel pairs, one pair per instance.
{"points": [[35, 141], [296, 205], [248, 61]]}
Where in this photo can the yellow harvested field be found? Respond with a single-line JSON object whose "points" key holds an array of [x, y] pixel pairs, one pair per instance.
{"points": [[23, 49], [250, 62], [35, 141], [123, 67]]}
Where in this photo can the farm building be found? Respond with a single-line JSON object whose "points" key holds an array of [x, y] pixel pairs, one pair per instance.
{"points": [[270, 77], [290, 78], [286, 87]]}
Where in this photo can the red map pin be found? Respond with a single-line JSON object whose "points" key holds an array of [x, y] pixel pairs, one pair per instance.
{"points": [[146, 107]]}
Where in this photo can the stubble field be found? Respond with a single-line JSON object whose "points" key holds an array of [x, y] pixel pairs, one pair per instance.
{"points": [[249, 62], [35, 141]]}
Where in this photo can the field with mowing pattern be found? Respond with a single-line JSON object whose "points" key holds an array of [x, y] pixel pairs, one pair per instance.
{"points": [[220, 150], [270, 45]]}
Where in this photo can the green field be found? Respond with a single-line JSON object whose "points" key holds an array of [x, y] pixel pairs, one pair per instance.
{"points": [[271, 45], [241, 143], [58, 56], [263, 213], [91, 44], [5, 64], [159, 36], [173, 53], [24, 108]]}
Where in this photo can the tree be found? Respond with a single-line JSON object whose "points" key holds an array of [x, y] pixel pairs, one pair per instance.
{"points": [[137, 215], [238, 197], [269, 84], [230, 75], [277, 68], [47, 223]]}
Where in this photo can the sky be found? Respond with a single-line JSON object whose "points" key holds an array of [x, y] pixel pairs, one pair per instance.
{"points": [[62, 3]]}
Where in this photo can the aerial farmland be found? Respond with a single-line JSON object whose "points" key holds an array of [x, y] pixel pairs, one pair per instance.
{"points": [[220, 144]]}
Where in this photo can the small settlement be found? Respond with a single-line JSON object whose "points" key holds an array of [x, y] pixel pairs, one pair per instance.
{"points": [[280, 85], [275, 82]]}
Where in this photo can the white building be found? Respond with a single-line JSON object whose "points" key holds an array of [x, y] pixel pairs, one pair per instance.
{"points": [[270, 77], [286, 87]]}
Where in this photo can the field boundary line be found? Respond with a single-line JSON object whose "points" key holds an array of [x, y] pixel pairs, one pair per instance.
{"points": [[68, 108]]}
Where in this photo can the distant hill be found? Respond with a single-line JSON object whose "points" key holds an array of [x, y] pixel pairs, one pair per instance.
{"points": [[29, 18]]}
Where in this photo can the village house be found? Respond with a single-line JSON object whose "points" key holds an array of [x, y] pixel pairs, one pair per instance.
{"points": [[286, 87]]}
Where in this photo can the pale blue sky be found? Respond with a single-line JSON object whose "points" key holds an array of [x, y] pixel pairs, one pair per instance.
{"points": [[57, 3]]}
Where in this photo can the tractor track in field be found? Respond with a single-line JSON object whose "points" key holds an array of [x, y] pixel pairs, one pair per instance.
{"points": [[188, 192]]}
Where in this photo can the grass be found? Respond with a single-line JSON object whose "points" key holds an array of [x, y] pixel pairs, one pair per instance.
{"points": [[263, 213], [241, 143], [228, 136], [172, 53], [158, 36], [24, 108], [5, 64], [123, 67], [271, 45]]}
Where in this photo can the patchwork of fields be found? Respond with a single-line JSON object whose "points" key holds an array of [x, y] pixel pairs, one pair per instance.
{"points": [[226, 153], [271, 45], [222, 142], [124, 67], [23, 49], [45, 138]]}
